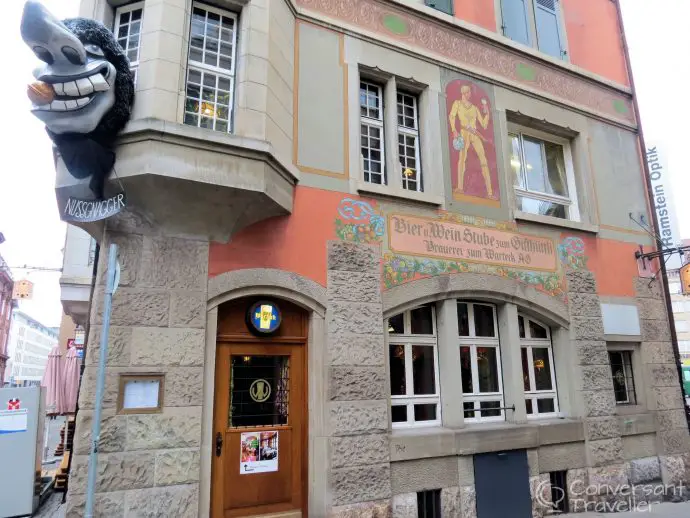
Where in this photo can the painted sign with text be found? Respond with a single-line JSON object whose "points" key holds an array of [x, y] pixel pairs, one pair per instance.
{"points": [[446, 240]]}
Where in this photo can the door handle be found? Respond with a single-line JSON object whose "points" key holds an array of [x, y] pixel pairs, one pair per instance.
{"points": [[219, 444]]}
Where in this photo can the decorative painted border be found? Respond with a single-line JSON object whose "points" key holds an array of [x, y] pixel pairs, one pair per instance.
{"points": [[360, 221], [457, 45]]}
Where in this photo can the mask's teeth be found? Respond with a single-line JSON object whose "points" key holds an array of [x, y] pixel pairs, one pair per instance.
{"points": [[59, 88], [58, 106], [83, 101], [71, 105], [71, 89], [84, 85], [99, 83]]}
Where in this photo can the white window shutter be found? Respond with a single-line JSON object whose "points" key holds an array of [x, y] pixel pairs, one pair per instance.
{"points": [[549, 37]]}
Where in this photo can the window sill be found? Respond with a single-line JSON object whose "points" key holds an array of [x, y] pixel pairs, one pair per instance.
{"points": [[386, 191], [420, 443], [556, 222]]}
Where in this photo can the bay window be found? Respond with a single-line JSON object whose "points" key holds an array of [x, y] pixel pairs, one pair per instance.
{"points": [[211, 68], [128, 21], [414, 381]]}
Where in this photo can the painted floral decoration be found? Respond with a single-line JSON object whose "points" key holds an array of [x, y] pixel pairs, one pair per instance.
{"points": [[572, 253], [359, 222]]}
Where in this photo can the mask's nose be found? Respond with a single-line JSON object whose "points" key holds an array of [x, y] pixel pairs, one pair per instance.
{"points": [[50, 40]]}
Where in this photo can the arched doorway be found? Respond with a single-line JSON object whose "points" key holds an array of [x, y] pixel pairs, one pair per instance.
{"points": [[259, 459]]}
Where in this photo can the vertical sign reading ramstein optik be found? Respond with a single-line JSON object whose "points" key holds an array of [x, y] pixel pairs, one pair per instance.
{"points": [[662, 198]]}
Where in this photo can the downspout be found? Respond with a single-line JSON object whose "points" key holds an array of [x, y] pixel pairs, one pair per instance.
{"points": [[655, 221]]}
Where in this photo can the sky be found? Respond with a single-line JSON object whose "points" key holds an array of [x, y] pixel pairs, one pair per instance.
{"points": [[656, 31], [29, 218]]}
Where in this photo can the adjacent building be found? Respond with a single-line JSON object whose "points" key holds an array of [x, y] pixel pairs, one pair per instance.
{"points": [[6, 305], [28, 348], [76, 280], [681, 309], [377, 258]]}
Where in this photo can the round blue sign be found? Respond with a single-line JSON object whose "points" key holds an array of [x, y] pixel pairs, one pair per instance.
{"points": [[264, 317]]}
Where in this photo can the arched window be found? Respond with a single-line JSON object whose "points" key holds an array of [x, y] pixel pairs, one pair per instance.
{"points": [[414, 368], [538, 375], [480, 362]]}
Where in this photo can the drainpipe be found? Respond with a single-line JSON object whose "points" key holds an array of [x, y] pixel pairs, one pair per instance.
{"points": [[655, 221]]}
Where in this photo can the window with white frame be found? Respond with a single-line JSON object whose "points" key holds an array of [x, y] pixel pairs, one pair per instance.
{"points": [[371, 132], [480, 362], [677, 306], [543, 174], [682, 326], [414, 368], [538, 375], [128, 20], [674, 287], [408, 142], [686, 306], [211, 68]]}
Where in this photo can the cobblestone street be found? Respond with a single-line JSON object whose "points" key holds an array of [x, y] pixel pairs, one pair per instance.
{"points": [[51, 508]]}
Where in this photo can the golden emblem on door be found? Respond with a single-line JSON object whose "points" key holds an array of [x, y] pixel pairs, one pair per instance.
{"points": [[260, 390]]}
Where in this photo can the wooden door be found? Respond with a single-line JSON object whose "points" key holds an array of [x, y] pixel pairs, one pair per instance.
{"points": [[259, 453]]}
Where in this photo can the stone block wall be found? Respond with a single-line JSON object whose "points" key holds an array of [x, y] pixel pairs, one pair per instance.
{"points": [[357, 408], [148, 464], [664, 392], [605, 463]]}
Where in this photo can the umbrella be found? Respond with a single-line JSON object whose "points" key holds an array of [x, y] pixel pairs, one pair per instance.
{"points": [[71, 381], [53, 382]]}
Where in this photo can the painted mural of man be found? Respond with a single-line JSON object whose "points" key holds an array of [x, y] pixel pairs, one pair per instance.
{"points": [[469, 115]]}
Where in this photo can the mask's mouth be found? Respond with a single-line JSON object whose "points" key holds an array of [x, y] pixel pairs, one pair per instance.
{"points": [[74, 92]]}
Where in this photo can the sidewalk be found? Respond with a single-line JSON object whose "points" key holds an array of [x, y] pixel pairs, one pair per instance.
{"points": [[665, 510]]}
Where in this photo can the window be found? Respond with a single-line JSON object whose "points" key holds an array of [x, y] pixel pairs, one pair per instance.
{"points": [[408, 142], [372, 144], [623, 379], [128, 33], [445, 6], [543, 175], [414, 368], [677, 306], [373, 130], [480, 362], [429, 504], [681, 326], [686, 306], [211, 70], [535, 23], [674, 287], [538, 375]]}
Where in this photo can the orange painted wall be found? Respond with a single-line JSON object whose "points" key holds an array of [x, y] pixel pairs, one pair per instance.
{"points": [[295, 243], [613, 265], [594, 38], [478, 12]]}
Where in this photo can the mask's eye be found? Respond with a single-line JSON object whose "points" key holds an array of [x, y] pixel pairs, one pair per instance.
{"points": [[93, 49]]}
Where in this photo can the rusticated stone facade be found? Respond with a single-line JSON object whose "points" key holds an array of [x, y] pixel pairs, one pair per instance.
{"points": [[673, 441], [358, 396], [148, 464]]}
